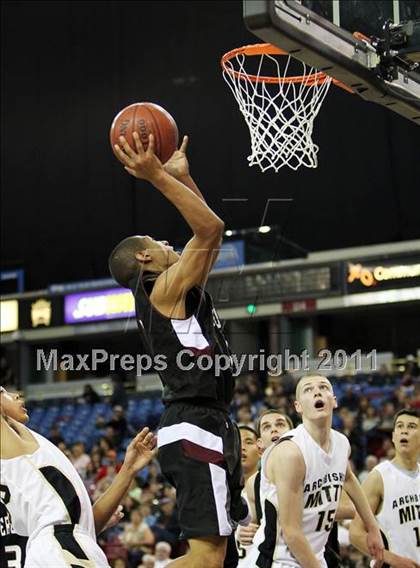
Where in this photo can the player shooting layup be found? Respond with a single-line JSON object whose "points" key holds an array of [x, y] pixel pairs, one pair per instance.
{"points": [[301, 500], [393, 492], [199, 447]]}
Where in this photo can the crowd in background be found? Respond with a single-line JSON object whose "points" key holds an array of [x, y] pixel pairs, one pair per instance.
{"points": [[148, 535]]}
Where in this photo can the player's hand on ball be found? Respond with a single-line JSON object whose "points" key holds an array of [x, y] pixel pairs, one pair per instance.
{"points": [[140, 163], [177, 165], [375, 546], [246, 534], [140, 451]]}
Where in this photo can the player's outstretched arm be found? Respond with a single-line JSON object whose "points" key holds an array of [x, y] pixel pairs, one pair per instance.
{"points": [[139, 453], [373, 488], [201, 251], [374, 543], [289, 484]]}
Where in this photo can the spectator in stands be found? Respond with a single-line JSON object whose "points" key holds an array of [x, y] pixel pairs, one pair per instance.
{"points": [[146, 511], [129, 504], [166, 527], [90, 395], [153, 473], [148, 561], [80, 458], [387, 422], [254, 389], [119, 424], [245, 416], [112, 435], [370, 419], [382, 377], [63, 447], [119, 563], [355, 438], [162, 554], [137, 538], [370, 463], [119, 396], [135, 491], [288, 382], [55, 437], [109, 467], [350, 400], [92, 471], [105, 445], [382, 452]]}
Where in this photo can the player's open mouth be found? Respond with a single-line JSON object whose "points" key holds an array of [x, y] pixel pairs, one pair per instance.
{"points": [[319, 404], [275, 438], [404, 441]]}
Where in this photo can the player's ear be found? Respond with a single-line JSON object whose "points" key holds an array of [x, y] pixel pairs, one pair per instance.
{"points": [[260, 445], [335, 402], [298, 407], [392, 437], [143, 256]]}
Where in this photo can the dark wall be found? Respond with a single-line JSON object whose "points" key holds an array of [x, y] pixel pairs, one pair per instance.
{"points": [[69, 67]]}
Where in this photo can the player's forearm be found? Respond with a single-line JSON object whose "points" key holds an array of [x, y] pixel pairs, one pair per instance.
{"points": [[104, 507], [358, 538], [190, 183], [202, 220], [356, 494], [300, 548]]}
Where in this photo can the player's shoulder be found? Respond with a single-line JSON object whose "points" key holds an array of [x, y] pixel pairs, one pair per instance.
{"points": [[374, 482], [339, 437], [287, 447]]}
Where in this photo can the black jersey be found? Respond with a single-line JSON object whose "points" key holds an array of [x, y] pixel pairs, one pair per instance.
{"points": [[191, 355]]}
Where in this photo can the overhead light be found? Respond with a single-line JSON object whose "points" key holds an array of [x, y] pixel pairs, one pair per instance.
{"points": [[228, 233], [264, 229]]}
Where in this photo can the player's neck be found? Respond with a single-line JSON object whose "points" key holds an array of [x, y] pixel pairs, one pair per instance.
{"points": [[10, 424], [249, 474], [320, 432], [406, 462]]}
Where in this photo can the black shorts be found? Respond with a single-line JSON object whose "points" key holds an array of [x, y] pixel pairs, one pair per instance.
{"points": [[200, 455]]}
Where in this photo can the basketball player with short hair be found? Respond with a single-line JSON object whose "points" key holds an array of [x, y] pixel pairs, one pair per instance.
{"points": [[46, 497], [199, 446], [302, 476], [393, 491], [270, 426], [250, 460]]}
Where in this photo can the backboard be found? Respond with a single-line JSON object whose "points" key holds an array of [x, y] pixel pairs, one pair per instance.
{"points": [[380, 64]]}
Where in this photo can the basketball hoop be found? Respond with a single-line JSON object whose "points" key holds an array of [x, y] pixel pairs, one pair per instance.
{"points": [[279, 108]]}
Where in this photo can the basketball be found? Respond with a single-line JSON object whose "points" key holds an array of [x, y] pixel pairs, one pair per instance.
{"points": [[145, 119]]}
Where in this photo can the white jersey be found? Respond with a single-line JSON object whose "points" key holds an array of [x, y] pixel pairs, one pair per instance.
{"points": [[45, 489], [48, 503], [324, 478], [399, 517]]}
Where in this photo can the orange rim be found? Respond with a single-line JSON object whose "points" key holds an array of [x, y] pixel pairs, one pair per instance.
{"points": [[269, 49], [361, 37]]}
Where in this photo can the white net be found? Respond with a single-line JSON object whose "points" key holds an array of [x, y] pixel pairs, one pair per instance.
{"points": [[279, 112]]}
